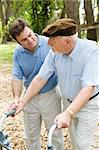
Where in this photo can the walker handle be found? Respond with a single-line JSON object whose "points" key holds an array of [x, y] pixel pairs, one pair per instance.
{"points": [[10, 112], [50, 147]]}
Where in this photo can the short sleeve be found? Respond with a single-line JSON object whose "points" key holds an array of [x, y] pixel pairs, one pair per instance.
{"points": [[48, 68], [91, 70]]}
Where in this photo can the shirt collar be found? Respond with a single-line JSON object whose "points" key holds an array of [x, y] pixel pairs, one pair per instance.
{"points": [[74, 52], [39, 42]]}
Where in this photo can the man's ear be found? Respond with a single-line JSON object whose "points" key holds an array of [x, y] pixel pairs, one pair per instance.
{"points": [[66, 40]]}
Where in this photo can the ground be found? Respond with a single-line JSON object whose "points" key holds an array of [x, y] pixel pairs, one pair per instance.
{"points": [[14, 126]]}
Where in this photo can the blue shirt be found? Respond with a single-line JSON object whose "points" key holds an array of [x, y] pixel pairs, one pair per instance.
{"points": [[76, 71], [27, 64]]}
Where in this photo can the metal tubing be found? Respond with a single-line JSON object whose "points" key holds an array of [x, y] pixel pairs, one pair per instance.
{"points": [[54, 126]]}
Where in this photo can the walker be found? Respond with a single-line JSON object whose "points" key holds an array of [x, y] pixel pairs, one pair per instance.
{"points": [[4, 142]]}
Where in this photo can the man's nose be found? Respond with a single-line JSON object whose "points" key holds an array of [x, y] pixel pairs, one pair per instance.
{"points": [[29, 39]]}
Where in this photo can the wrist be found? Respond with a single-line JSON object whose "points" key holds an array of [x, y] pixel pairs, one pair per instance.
{"points": [[23, 102], [70, 112], [16, 97]]}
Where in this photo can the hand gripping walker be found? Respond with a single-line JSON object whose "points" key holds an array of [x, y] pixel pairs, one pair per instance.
{"points": [[4, 142]]}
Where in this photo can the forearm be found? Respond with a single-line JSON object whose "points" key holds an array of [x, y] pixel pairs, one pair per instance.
{"points": [[16, 88], [33, 89], [81, 99]]}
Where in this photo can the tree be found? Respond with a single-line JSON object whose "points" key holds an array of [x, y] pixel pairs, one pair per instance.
{"points": [[97, 20], [72, 12], [39, 14], [44, 12], [98, 10], [5, 13], [91, 33]]}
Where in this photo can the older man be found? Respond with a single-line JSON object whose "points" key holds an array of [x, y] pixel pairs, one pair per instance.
{"points": [[76, 63]]}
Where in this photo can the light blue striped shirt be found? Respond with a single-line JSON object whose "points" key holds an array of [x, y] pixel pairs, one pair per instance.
{"points": [[79, 69]]}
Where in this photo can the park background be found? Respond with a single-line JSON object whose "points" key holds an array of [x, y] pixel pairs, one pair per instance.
{"points": [[39, 13]]}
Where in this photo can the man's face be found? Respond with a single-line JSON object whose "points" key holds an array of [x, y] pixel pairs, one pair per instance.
{"points": [[60, 44], [27, 39]]}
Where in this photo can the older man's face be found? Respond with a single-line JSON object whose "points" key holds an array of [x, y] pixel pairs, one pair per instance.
{"points": [[59, 44]]}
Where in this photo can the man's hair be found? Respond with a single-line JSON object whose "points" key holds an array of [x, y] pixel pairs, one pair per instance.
{"points": [[61, 27], [17, 27]]}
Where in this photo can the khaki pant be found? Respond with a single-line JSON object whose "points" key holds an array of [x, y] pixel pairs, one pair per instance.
{"points": [[83, 125], [43, 106]]}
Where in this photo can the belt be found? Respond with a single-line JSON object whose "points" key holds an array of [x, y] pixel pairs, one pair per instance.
{"points": [[69, 100], [89, 98]]}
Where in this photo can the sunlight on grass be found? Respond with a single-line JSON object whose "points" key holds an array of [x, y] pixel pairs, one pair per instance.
{"points": [[6, 52]]}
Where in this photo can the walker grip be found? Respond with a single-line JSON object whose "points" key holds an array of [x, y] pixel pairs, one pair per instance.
{"points": [[10, 113]]}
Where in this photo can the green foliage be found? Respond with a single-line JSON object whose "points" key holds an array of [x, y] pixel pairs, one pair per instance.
{"points": [[22, 9], [6, 52], [37, 12]]}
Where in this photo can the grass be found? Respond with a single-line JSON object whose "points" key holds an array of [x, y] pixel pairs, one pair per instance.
{"points": [[6, 53]]}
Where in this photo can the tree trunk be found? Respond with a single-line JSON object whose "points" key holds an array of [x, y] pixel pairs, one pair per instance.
{"points": [[3, 20], [63, 10], [5, 13], [98, 10], [91, 33], [72, 10], [40, 14], [9, 13], [97, 20], [45, 12]]}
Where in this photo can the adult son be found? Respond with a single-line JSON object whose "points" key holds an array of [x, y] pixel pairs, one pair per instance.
{"points": [[27, 61]]}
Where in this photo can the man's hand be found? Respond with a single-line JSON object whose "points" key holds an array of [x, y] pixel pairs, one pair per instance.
{"points": [[14, 105], [63, 120], [19, 107]]}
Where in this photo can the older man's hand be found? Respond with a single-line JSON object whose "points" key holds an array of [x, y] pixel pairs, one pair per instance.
{"points": [[63, 120]]}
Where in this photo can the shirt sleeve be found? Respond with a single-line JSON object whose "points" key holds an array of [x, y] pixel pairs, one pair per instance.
{"points": [[91, 70], [48, 68], [16, 70]]}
